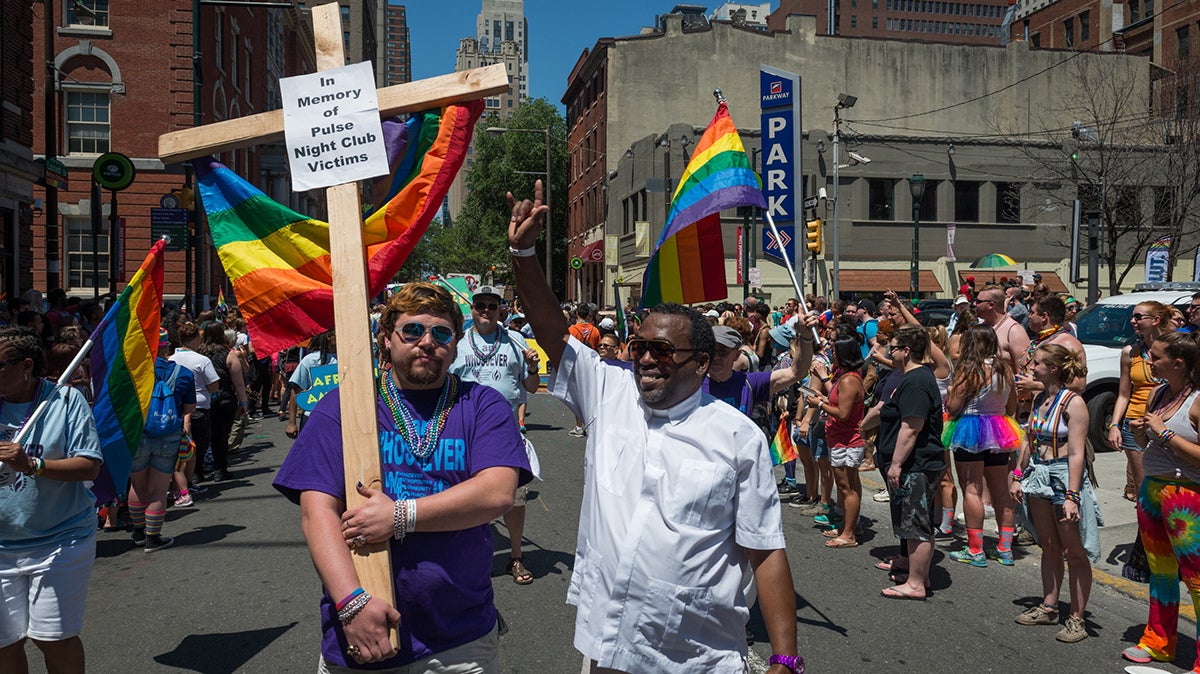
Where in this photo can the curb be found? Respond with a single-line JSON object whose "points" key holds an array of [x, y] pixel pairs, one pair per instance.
{"points": [[1129, 588]]}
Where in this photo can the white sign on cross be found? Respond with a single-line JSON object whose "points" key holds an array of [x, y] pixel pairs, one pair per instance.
{"points": [[360, 439]]}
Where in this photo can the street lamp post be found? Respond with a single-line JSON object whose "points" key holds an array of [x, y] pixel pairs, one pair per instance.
{"points": [[545, 186], [844, 101], [916, 187]]}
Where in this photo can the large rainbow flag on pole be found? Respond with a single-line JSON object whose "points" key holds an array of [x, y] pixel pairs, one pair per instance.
{"points": [[279, 261], [123, 349], [688, 265]]}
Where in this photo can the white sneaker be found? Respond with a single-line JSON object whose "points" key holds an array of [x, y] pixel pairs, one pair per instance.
{"points": [[881, 496], [989, 513], [576, 432]]}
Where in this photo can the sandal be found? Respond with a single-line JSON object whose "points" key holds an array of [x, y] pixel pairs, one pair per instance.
{"points": [[520, 574]]}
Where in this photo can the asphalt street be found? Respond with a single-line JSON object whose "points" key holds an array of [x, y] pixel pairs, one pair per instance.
{"points": [[238, 592]]}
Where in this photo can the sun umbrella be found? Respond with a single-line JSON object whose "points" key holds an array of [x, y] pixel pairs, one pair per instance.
{"points": [[993, 260]]}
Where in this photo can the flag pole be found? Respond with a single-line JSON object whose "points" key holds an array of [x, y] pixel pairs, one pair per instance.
{"points": [[787, 264]]}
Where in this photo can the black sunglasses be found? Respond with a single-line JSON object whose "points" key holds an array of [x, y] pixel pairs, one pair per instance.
{"points": [[413, 332], [486, 306], [659, 349]]}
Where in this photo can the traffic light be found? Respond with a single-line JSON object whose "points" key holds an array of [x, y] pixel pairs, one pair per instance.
{"points": [[812, 235]]}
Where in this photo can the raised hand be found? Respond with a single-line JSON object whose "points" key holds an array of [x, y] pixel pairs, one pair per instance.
{"points": [[527, 218]]}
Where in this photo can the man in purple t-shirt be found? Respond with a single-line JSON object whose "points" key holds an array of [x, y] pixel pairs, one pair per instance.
{"points": [[451, 457]]}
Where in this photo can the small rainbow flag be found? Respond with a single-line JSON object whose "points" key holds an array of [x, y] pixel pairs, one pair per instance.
{"points": [[221, 306], [279, 261], [782, 447], [124, 347], [688, 265]]}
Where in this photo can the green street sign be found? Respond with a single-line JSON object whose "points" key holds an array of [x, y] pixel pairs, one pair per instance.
{"points": [[577, 263], [113, 171]]}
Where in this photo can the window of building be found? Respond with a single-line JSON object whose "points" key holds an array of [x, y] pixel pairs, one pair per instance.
{"points": [[87, 12], [854, 22], [882, 199], [874, 4], [1085, 27], [1069, 33], [1135, 11], [1147, 9], [1036, 39], [83, 269], [88, 124], [853, 4], [345, 15], [874, 23], [1183, 48], [929, 210], [1008, 202], [966, 201], [219, 41], [233, 58]]}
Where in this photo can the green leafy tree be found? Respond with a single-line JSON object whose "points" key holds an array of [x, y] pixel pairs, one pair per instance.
{"points": [[504, 162]]}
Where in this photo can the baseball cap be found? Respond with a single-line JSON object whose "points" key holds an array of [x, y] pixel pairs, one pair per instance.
{"points": [[486, 291], [727, 336], [712, 313], [961, 299], [607, 324]]}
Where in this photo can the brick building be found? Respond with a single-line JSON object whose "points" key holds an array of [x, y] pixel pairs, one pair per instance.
{"points": [[587, 206], [396, 48], [124, 76], [18, 172], [948, 21]]}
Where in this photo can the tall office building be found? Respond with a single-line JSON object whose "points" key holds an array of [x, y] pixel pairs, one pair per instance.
{"points": [[501, 36], [396, 51]]}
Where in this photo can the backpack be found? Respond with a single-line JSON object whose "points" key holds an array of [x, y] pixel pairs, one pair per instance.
{"points": [[163, 418]]}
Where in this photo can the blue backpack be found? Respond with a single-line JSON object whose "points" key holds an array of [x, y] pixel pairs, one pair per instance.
{"points": [[163, 418]]}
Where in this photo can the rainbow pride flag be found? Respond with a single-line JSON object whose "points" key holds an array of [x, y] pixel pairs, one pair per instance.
{"points": [[124, 347], [782, 447], [688, 265], [279, 261], [221, 305]]}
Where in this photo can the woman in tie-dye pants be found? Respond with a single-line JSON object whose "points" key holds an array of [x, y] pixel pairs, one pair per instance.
{"points": [[1169, 500]]}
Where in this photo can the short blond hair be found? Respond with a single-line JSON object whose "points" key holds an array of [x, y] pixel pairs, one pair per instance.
{"points": [[418, 298]]}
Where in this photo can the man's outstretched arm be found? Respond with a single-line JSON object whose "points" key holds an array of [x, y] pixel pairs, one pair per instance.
{"points": [[541, 306]]}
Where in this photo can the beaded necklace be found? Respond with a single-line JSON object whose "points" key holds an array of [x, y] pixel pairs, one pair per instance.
{"points": [[1183, 393], [421, 447], [483, 356], [37, 397]]}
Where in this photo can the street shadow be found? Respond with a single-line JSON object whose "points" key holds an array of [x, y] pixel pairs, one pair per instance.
{"points": [[220, 653], [1119, 555], [541, 427], [209, 534], [939, 575], [114, 547], [540, 561], [756, 628]]}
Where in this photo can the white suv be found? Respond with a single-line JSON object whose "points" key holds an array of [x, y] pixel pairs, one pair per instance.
{"points": [[1104, 330]]}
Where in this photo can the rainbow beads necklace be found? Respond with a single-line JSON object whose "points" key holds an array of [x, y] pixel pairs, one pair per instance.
{"points": [[485, 356], [420, 446]]}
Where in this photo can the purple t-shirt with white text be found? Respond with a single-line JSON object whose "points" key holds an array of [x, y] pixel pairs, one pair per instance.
{"points": [[442, 579], [741, 390]]}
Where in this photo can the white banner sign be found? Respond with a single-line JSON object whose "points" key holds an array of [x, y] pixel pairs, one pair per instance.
{"points": [[950, 231], [332, 128], [755, 277]]}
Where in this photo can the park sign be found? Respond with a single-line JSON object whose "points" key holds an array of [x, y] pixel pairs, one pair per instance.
{"points": [[783, 187], [332, 128]]}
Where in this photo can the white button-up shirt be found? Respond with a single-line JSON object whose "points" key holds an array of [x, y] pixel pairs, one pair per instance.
{"points": [[670, 499]]}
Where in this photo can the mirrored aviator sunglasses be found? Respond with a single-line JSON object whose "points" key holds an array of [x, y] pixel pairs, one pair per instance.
{"points": [[413, 332]]}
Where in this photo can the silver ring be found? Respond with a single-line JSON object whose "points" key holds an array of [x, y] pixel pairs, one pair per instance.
{"points": [[352, 651]]}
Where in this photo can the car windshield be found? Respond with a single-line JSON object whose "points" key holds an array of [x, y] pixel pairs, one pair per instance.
{"points": [[1105, 325]]}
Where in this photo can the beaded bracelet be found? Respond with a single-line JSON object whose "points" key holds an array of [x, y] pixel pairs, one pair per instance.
{"points": [[1166, 435], [1017, 475], [356, 605], [404, 518], [1073, 496], [342, 604]]}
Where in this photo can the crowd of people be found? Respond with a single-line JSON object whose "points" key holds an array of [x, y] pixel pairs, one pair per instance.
{"points": [[681, 505]]}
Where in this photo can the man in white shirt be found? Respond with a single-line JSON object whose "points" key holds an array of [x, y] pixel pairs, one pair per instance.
{"points": [[492, 355], [679, 495]]}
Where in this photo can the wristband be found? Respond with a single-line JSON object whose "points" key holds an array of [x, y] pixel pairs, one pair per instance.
{"points": [[353, 607], [36, 466], [1109, 426], [1073, 496], [1166, 435], [241, 404], [522, 252], [342, 604], [793, 662], [1018, 475]]}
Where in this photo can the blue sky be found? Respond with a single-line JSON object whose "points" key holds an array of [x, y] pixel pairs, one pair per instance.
{"points": [[559, 31]]}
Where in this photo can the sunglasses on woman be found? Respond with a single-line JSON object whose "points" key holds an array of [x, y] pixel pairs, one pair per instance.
{"points": [[660, 350], [413, 332]]}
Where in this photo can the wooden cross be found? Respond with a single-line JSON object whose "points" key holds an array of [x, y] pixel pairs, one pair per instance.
{"points": [[360, 439]]}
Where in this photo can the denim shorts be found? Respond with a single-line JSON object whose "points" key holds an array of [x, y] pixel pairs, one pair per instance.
{"points": [[1128, 443], [1059, 489], [157, 453], [816, 442]]}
